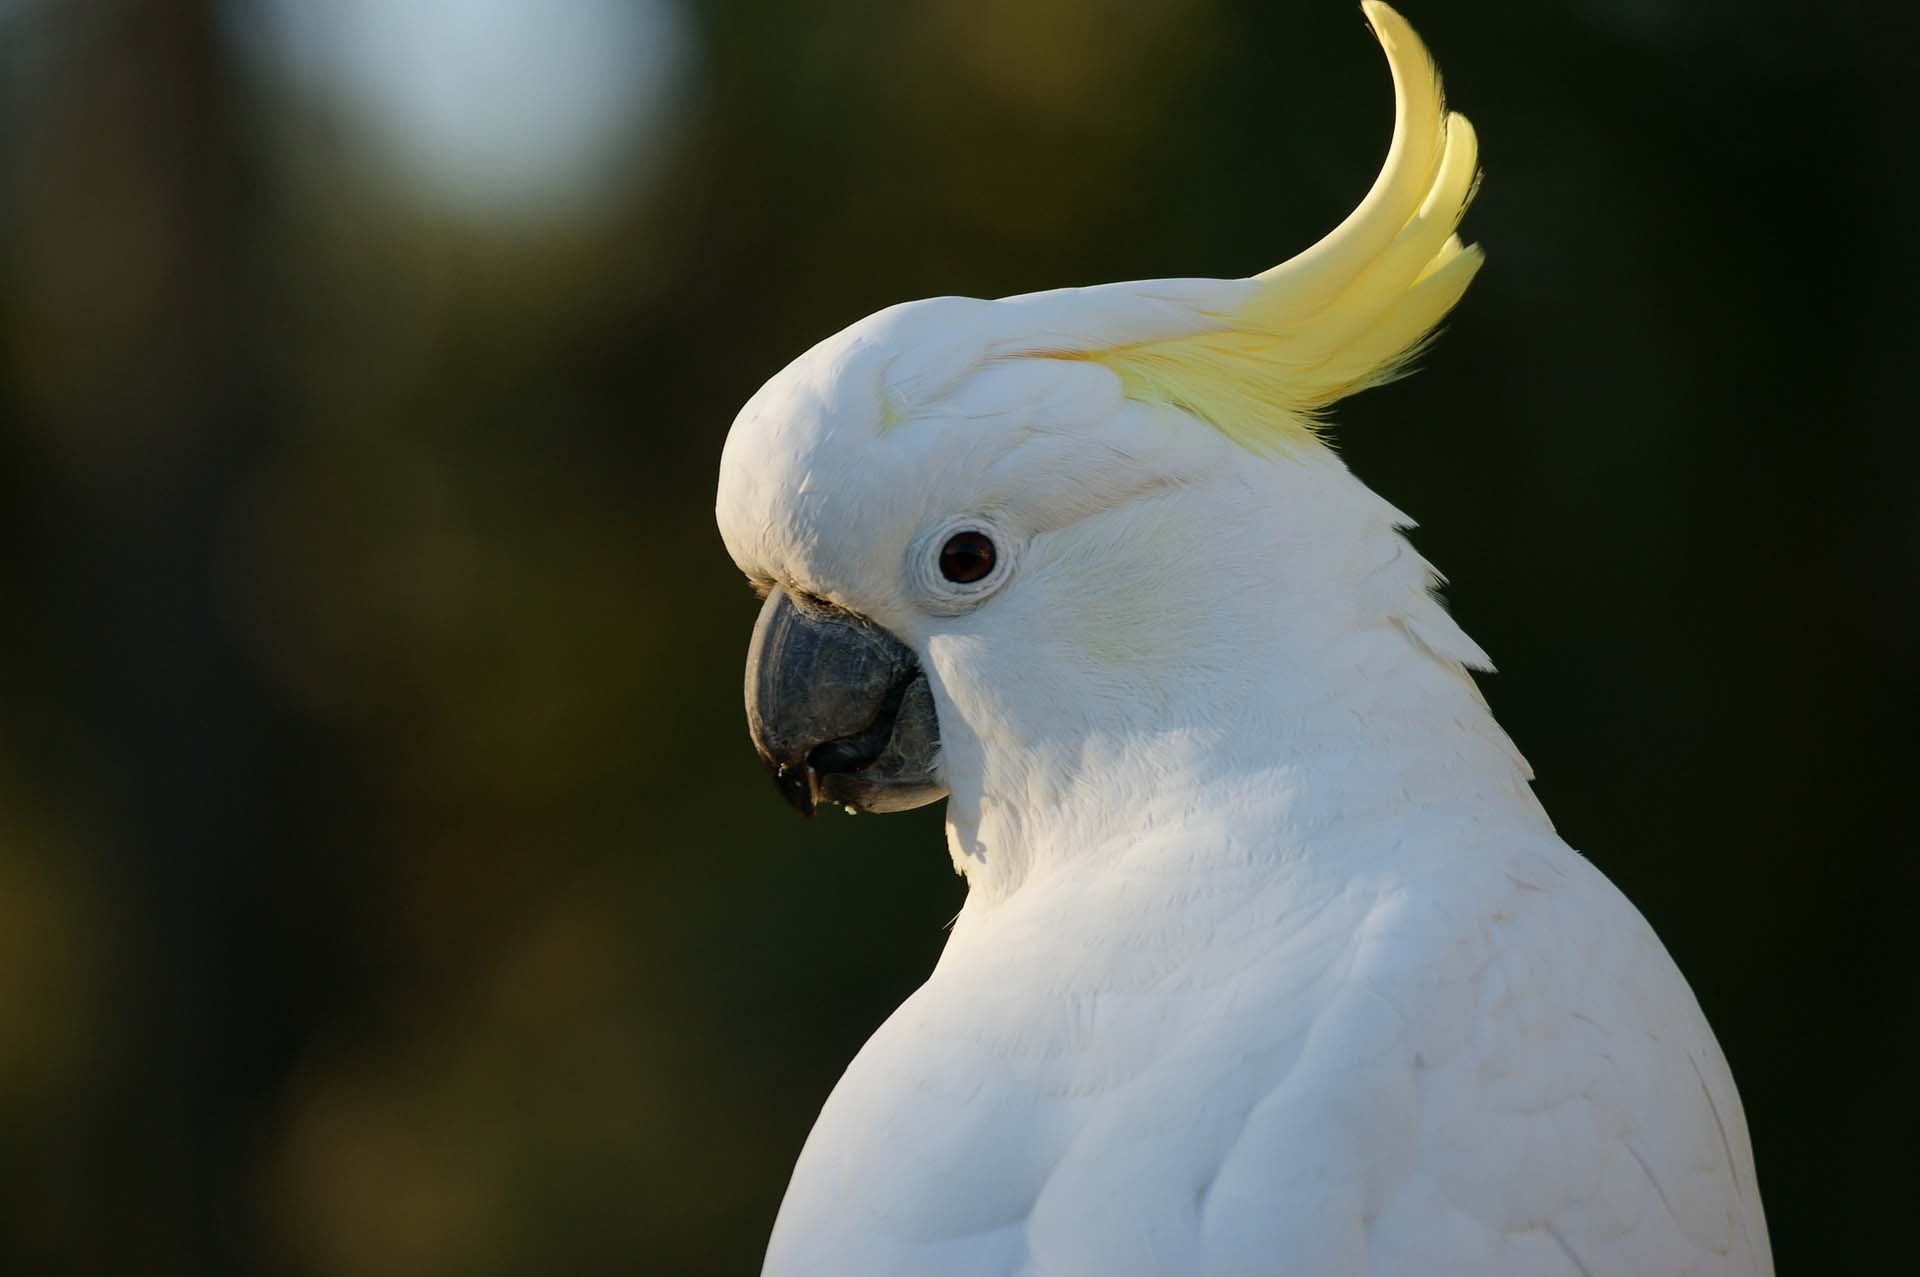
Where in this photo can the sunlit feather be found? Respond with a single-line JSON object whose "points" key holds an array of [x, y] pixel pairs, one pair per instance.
{"points": [[1349, 312]]}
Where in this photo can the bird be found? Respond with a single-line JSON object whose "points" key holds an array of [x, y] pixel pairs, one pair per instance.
{"points": [[1270, 962]]}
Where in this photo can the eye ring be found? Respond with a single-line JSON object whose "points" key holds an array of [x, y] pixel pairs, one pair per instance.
{"points": [[968, 557], [960, 562]]}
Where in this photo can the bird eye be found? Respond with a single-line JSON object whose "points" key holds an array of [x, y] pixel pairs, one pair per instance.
{"points": [[967, 557]]}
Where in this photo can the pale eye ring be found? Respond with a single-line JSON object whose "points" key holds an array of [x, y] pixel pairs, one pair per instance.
{"points": [[961, 562]]}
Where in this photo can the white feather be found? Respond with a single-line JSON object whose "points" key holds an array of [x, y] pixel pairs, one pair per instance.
{"points": [[1270, 962]]}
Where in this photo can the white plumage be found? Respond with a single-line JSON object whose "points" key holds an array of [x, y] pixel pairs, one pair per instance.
{"points": [[1270, 963]]}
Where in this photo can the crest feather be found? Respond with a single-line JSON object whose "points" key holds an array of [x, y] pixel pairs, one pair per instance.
{"points": [[1350, 312]]}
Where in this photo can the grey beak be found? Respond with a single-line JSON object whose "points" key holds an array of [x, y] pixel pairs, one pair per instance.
{"points": [[840, 709]]}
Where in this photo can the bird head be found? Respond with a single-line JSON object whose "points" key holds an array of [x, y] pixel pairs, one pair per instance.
{"points": [[1004, 543]]}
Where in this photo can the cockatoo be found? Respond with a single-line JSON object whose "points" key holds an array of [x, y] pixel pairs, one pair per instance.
{"points": [[1270, 962]]}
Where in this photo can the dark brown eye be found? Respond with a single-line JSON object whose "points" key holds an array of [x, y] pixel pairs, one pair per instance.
{"points": [[967, 557]]}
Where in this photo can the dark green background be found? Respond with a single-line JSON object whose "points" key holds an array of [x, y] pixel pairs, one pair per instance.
{"points": [[387, 885]]}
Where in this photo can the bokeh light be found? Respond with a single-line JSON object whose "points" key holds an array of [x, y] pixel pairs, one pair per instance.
{"points": [[498, 109]]}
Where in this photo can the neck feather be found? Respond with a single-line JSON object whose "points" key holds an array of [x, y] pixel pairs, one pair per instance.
{"points": [[1344, 704]]}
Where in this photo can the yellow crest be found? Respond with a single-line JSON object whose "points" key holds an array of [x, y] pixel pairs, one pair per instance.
{"points": [[1348, 313]]}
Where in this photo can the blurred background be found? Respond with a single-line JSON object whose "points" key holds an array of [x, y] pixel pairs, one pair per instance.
{"points": [[387, 885]]}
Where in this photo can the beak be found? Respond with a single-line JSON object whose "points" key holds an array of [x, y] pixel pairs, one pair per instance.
{"points": [[840, 709]]}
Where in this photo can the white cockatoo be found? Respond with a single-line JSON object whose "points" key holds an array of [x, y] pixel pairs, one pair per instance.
{"points": [[1270, 961]]}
